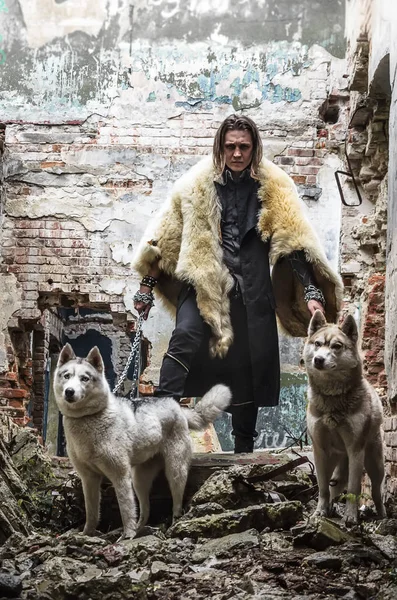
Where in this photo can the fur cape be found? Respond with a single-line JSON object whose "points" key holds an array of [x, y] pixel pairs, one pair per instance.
{"points": [[186, 239]]}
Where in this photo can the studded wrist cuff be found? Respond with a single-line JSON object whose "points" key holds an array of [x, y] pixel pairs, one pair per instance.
{"points": [[145, 298], [311, 292]]}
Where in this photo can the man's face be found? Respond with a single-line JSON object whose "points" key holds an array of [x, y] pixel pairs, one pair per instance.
{"points": [[238, 149]]}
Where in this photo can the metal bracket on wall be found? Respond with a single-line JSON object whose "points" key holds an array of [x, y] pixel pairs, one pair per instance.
{"points": [[349, 174]]}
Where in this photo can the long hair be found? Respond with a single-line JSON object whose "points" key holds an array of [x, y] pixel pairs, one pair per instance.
{"points": [[240, 123]]}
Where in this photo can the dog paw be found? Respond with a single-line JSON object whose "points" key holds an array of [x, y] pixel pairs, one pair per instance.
{"points": [[350, 519], [176, 517], [127, 535], [91, 532], [319, 513]]}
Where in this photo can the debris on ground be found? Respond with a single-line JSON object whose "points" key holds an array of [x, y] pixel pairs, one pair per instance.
{"points": [[245, 535]]}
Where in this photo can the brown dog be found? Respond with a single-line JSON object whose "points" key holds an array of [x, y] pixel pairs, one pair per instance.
{"points": [[344, 417]]}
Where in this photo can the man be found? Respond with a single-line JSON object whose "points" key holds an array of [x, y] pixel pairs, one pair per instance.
{"points": [[208, 258]]}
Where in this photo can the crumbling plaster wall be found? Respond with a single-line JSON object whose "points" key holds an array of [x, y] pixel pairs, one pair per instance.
{"points": [[391, 273], [106, 107], [372, 55], [391, 281], [363, 240]]}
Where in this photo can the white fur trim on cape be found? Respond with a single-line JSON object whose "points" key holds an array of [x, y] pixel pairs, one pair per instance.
{"points": [[187, 244]]}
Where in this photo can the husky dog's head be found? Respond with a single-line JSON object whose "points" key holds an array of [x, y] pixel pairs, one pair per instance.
{"points": [[80, 386], [330, 349]]}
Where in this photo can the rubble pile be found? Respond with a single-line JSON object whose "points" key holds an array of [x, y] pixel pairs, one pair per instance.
{"points": [[245, 535]]}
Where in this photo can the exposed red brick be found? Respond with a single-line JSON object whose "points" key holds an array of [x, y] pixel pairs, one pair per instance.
{"points": [[286, 160], [13, 412], [299, 178], [28, 224], [303, 160], [374, 330], [16, 403], [45, 164], [10, 376], [300, 152], [52, 225], [309, 170], [13, 393]]}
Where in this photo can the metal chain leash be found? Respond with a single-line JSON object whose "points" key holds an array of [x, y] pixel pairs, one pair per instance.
{"points": [[135, 355]]}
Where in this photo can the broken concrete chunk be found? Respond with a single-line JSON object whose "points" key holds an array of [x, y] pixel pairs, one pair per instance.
{"points": [[241, 485], [274, 516], [387, 544], [276, 541], [218, 489], [10, 586], [160, 569], [120, 586], [141, 575], [91, 573], [201, 510], [320, 534], [322, 560], [151, 543], [225, 545]]}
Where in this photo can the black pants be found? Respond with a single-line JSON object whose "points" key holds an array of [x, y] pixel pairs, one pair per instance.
{"points": [[188, 354]]}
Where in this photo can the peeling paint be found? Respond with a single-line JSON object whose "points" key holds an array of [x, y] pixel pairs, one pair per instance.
{"points": [[112, 286], [86, 58], [10, 303]]}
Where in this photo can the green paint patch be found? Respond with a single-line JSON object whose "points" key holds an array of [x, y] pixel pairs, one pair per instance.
{"points": [[151, 97]]}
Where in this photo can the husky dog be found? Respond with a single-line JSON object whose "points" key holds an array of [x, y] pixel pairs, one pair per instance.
{"points": [[344, 417], [129, 443]]}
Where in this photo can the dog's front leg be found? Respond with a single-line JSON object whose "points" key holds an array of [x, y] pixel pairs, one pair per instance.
{"points": [[356, 468], [325, 464], [126, 500], [92, 494]]}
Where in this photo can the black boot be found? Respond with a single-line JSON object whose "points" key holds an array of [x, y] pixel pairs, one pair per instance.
{"points": [[243, 445]]}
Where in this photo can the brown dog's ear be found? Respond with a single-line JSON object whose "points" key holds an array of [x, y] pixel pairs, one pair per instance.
{"points": [[95, 359], [349, 328], [66, 355], [317, 321]]}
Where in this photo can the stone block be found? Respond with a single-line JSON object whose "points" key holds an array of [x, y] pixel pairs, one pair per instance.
{"points": [[275, 516], [225, 545]]}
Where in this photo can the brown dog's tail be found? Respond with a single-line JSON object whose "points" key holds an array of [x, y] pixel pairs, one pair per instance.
{"points": [[210, 406]]}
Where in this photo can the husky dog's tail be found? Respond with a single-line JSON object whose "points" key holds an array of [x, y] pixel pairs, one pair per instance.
{"points": [[210, 406]]}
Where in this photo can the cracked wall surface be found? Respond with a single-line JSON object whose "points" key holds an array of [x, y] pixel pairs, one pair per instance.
{"points": [[369, 254], [106, 108]]}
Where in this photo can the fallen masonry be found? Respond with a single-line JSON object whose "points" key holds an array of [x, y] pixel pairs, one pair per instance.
{"points": [[245, 535]]}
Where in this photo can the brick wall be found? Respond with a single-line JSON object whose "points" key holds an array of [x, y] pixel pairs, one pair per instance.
{"points": [[86, 166], [52, 255], [373, 333], [80, 255], [16, 383]]}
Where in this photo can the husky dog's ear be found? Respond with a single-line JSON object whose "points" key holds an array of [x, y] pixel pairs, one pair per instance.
{"points": [[66, 355], [95, 359], [317, 321], [349, 328]]}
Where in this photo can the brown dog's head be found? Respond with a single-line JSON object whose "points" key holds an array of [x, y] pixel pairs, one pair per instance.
{"points": [[330, 348]]}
